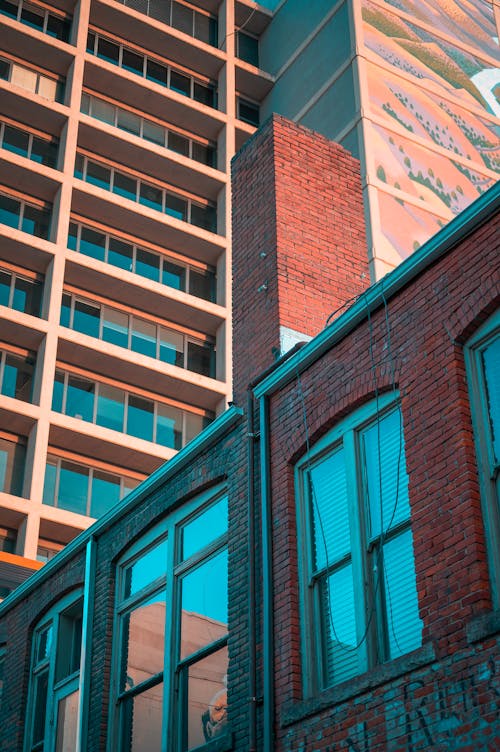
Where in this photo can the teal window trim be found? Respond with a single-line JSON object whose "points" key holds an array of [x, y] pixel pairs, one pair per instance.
{"points": [[488, 463]]}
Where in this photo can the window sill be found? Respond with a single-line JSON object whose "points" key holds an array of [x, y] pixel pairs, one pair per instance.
{"points": [[298, 710], [483, 626]]}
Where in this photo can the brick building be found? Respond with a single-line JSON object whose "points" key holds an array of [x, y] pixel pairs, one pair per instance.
{"points": [[318, 569]]}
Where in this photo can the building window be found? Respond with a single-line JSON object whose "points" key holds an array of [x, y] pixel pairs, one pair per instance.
{"points": [[171, 633], [25, 216], [19, 292], [16, 373], [359, 591], [483, 371], [247, 48], [12, 461], [37, 17], [247, 111], [31, 80], [20, 141], [55, 668]]}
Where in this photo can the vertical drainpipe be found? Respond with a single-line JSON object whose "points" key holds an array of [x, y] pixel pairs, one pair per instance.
{"points": [[252, 638], [85, 656], [267, 579]]}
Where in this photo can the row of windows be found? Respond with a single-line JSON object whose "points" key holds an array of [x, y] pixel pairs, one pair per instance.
{"points": [[180, 16], [147, 194], [20, 293], [149, 130], [48, 87], [24, 216], [46, 549], [38, 17], [152, 69], [16, 375], [137, 334], [111, 407], [154, 266], [20, 141], [82, 489]]}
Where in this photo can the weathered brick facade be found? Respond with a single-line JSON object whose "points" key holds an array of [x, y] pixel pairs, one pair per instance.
{"points": [[405, 335]]}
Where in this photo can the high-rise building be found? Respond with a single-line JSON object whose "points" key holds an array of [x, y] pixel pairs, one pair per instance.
{"points": [[119, 119]]}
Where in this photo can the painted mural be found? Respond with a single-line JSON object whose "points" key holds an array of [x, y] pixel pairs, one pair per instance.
{"points": [[427, 90]]}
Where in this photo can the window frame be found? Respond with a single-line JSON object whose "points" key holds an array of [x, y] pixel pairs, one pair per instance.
{"points": [[362, 550], [488, 468]]}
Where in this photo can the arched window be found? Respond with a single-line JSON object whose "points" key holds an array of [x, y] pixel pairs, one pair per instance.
{"points": [[54, 683], [358, 589]]}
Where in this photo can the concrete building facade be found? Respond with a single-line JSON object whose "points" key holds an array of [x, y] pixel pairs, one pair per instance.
{"points": [[318, 569]]}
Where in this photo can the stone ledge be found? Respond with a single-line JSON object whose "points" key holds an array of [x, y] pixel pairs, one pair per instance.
{"points": [[483, 626]]}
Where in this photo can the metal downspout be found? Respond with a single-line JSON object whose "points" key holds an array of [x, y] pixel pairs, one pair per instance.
{"points": [[252, 637], [267, 580]]}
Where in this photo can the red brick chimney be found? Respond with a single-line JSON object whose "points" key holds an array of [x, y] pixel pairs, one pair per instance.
{"points": [[299, 245]]}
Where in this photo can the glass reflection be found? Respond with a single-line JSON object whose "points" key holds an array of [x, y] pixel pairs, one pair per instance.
{"points": [[143, 637]]}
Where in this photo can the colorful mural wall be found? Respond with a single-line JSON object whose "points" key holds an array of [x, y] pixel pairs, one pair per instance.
{"points": [[432, 130]]}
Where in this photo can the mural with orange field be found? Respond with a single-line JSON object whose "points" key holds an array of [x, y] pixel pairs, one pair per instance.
{"points": [[433, 81]]}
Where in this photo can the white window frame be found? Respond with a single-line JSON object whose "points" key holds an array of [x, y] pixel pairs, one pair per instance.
{"points": [[488, 466], [370, 612]]}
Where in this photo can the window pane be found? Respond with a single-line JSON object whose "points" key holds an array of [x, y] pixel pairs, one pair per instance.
{"points": [[110, 407], [205, 28], [115, 327], [98, 175], [201, 359], [15, 140], [129, 122], [176, 207], [204, 154], [65, 310], [49, 88], [133, 62], [17, 376], [93, 243], [205, 528], [153, 132], [73, 487], [125, 186], [141, 721], [171, 347], [173, 275], [338, 623], [40, 707], [105, 492], [204, 93], [44, 639], [32, 16], [104, 111], [9, 211], [248, 112], [202, 284], [120, 254], [57, 394], [156, 72], [144, 337], [178, 144], [386, 479], [5, 282], [207, 699], [12, 457], [182, 18], [86, 318], [9, 8], [67, 722], [491, 365], [79, 166], [147, 264], [23, 77], [49, 486], [404, 626], [4, 70], [80, 398], [151, 196], [36, 221], [58, 27], [180, 83], [44, 152], [248, 48], [204, 216], [329, 510], [195, 424], [144, 625], [169, 426], [145, 569], [140, 418], [204, 608], [108, 51]]}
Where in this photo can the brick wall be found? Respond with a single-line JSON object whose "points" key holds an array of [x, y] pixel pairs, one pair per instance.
{"points": [[298, 231]]}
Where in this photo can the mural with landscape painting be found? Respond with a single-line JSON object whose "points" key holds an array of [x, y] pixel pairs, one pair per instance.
{"points": [[430, 89]]}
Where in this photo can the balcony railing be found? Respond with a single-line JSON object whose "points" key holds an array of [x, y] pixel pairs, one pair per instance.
{"points": [[182, 17]]}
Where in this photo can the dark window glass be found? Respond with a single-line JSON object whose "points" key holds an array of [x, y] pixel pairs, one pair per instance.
{"points": [[147, 264], [204, 216], [156, 72], [205, 29], [248, 48], [115, 327], [204, 93], [98, 175], [80, 398], [128, 121], [178, 144], [173, 276], [151, 196], [91, 42], [154, 133], [182, 18], [15, 140], [204, 154], [180, 83], [133, 62], [8, 9], [44, 152], [12, 457], [39, 713], [86, 318], [17, 377], [103, 111], [65, 310], [176, 206], [105, 492], [248, 112], [171, 347], [120, 254], [36, 221], [202, 284], [110, 407], [5, 282], [58, 27], [73, 487], [140, 418], [9, 211], [27, 296], [32, 16], [79, 165], [107, 50], [125, 186], [93, 243], [58, 392], [144, 337], [201, 359], [4, 70]]}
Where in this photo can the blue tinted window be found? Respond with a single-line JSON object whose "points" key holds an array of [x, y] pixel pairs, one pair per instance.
{"points": [[120, 254], [49, 486], [65, 310], [15, 140], [174, 276], [144, 337], [140, 418], [98, 175], [176, 207], [125, 186], [115, 327], [86, 318], [58, 392], [5, 282], [72, 236], [105, 492], [73, 487], [80, 398], [93, 243], [9, 211], [110, 407], [147, 264]]}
